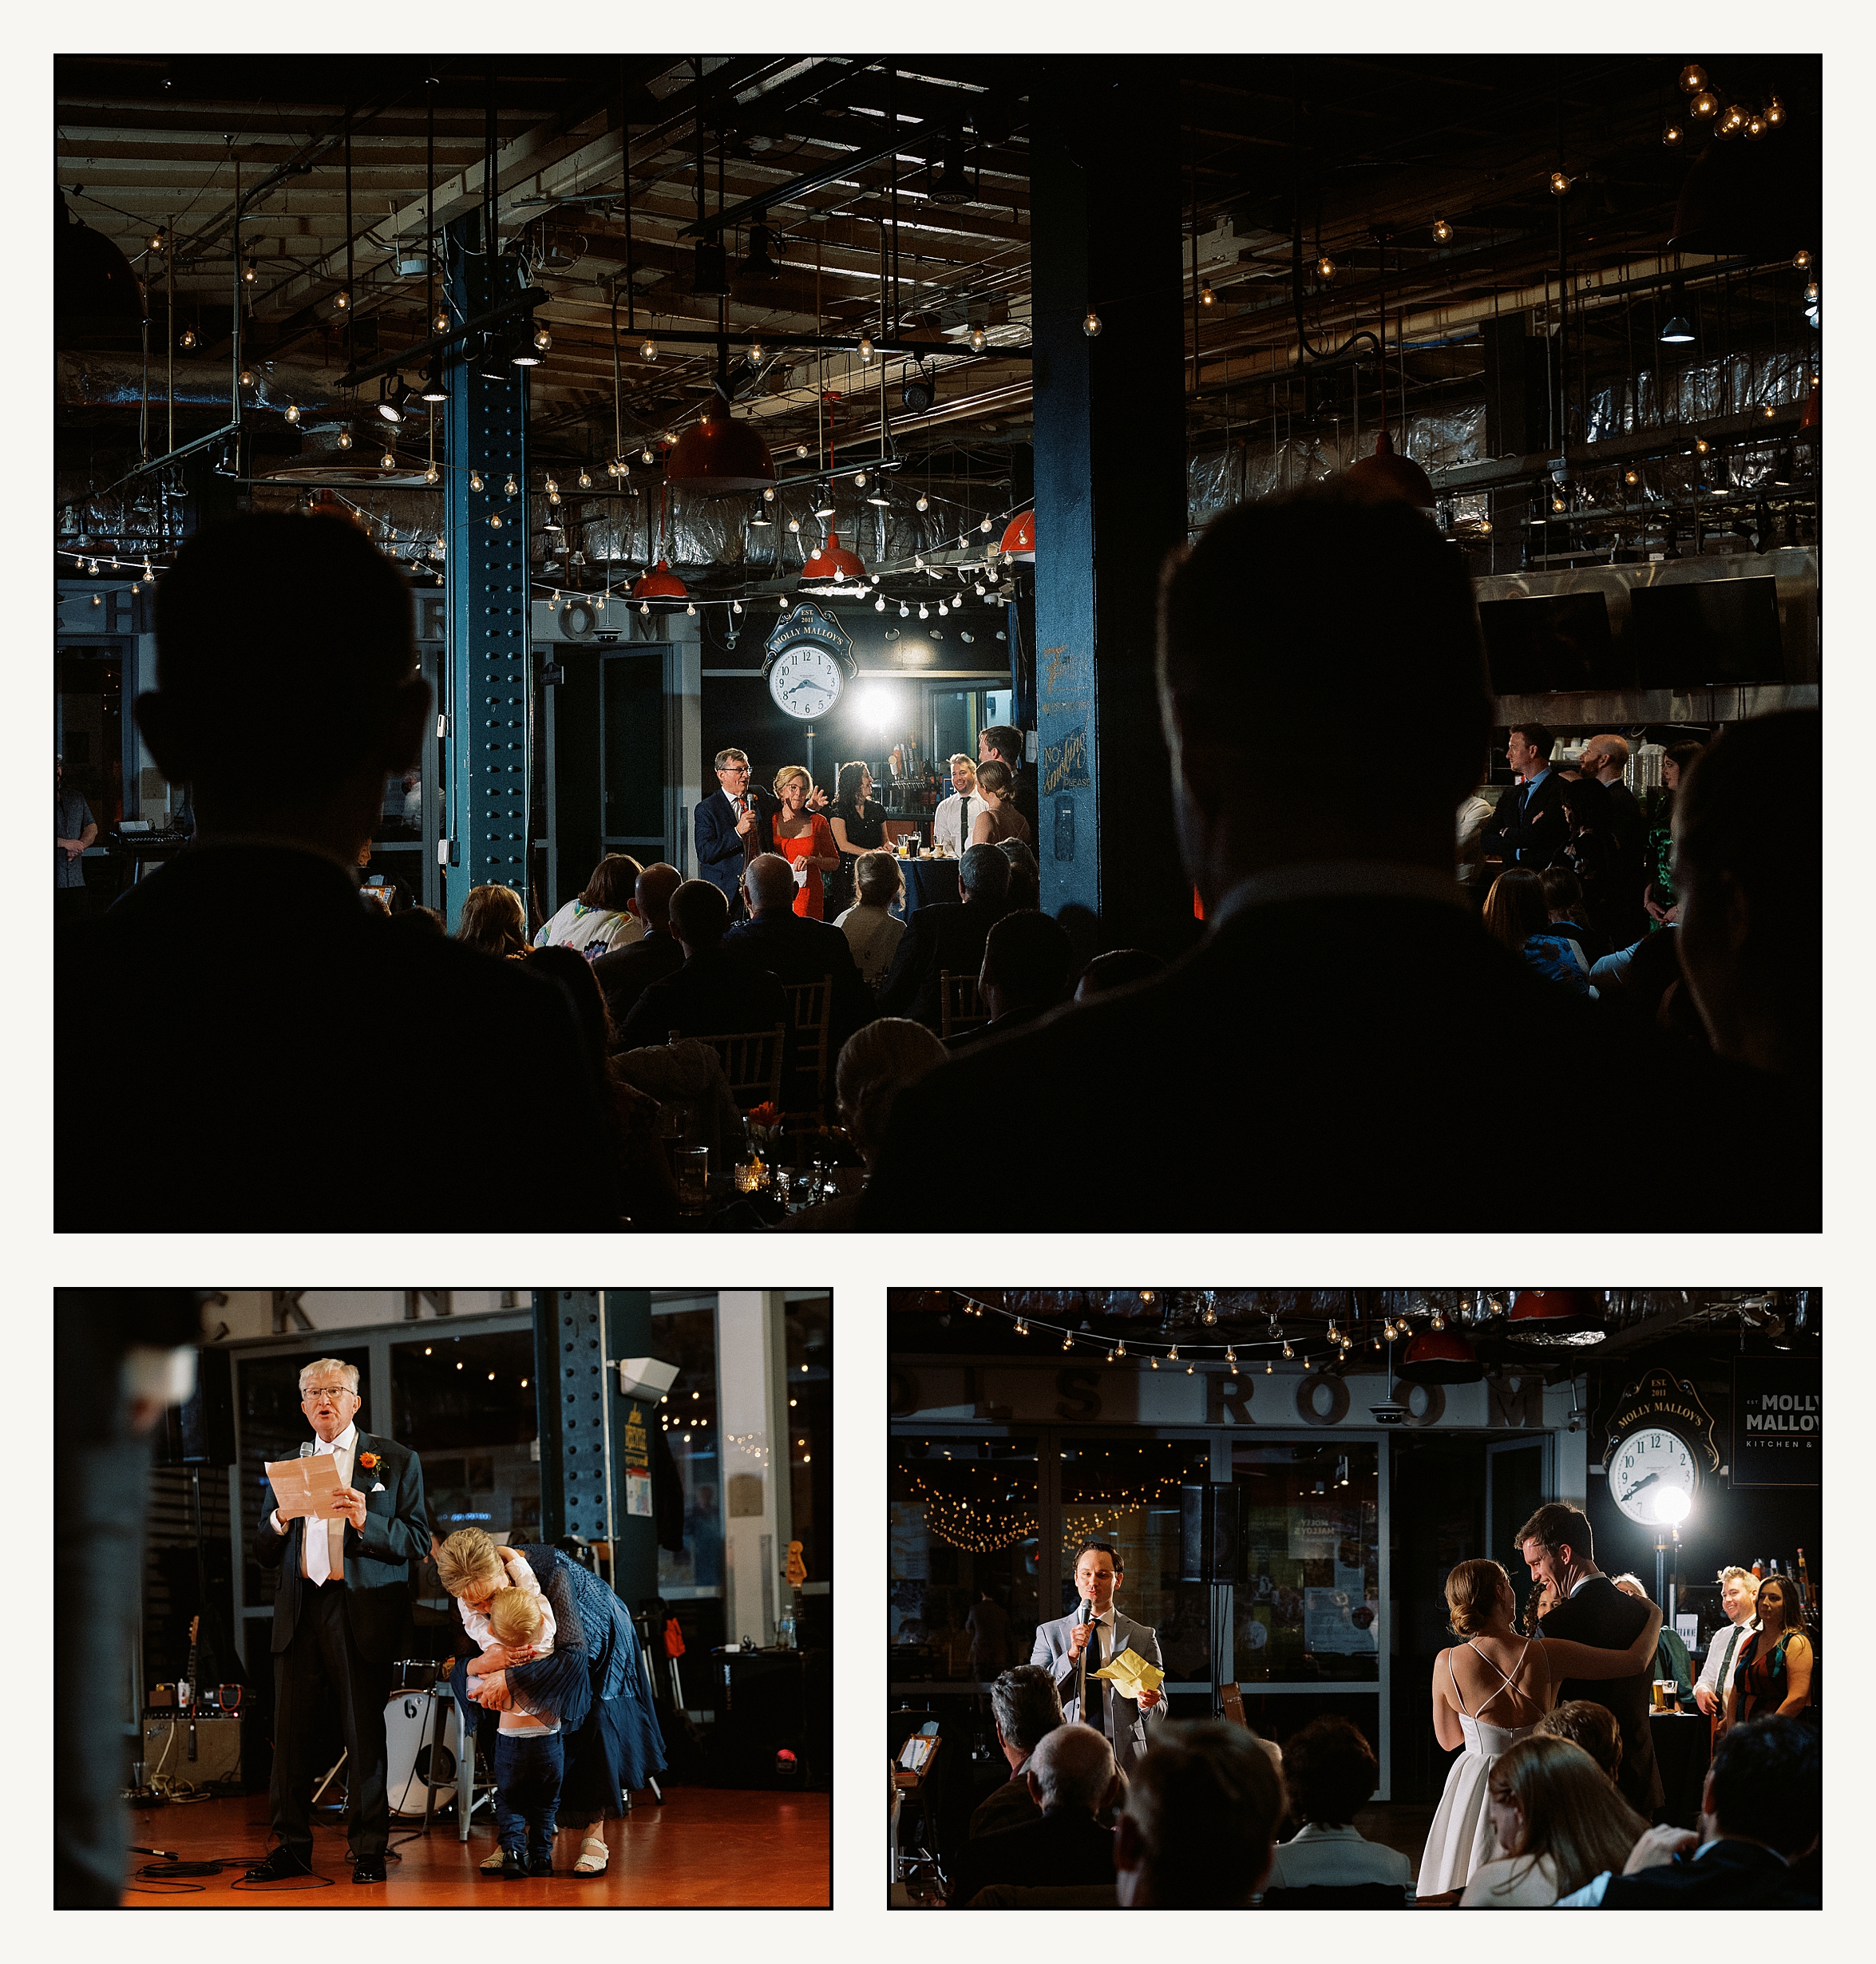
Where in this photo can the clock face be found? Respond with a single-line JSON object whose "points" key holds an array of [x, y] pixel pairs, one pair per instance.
{"points": [[805, 680], [1649, 1462]]}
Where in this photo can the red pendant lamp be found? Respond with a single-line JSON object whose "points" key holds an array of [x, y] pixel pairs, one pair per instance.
{"points": [[1439, 1357], [1388, 474], [1810, 421], [718, 453], [1019, 538], [833, 562], [1553, 1315], [659, 583]]}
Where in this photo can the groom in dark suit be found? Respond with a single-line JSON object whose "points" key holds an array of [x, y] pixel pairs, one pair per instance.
{"points": [[341, 1610], [1557, 1548], [732, 826]]}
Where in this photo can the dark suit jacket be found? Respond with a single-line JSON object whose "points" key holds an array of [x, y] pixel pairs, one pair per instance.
{"points": [[377, 1561], [1329, 1063], [721, 852], [1022, 796], [1530, 835], [277, 1019], [716, 993], [1061, 1848], [1599, 1613], [1627, 919], [626, 973], [1731, 1876], [794, 949], [947, 935]]}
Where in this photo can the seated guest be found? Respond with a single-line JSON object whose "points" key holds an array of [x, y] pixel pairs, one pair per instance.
{"points": [[1745, 824], [1474, 815], [1739, 1593], [600, 917], [1000, 819], [1073, 1780], [872, 928], [1670, 1657], [1025, 1707], [1025, 969], [627, 969], [1331, 1770], [1200, 1823], [952, 821], [1516, 918], [1026, 875], [947, 936], [1563, 895], [1773, 1673], [494, 921], [1761, 1815], [1590, 1725], [794, 947], [1400, 995], [273, 1050], [716, 993], [1558, 1821], [1116, 970], [875, 1064]]}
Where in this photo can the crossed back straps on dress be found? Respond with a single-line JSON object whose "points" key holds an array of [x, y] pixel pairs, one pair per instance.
{"points": [[1508, 1683]]}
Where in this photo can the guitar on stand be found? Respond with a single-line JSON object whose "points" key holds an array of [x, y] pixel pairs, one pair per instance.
{"points": [[186, 1692]]}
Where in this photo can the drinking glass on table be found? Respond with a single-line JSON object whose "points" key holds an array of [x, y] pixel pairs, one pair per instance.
{"points": [[692, 1178]]}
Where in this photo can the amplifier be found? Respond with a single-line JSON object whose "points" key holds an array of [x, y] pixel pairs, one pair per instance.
{"points": [[218, 1749]]}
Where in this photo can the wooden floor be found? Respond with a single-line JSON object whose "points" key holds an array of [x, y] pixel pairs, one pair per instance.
{"points": [[706, 1848]]}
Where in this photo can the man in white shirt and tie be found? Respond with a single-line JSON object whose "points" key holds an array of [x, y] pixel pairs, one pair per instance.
{"points": [[1739, 1592], [342, 1608], [952, 822], [1099, 1628]]}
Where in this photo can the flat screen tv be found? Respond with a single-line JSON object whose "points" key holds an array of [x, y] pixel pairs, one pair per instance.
{"points": [[1707, 633], [1552, 643]]}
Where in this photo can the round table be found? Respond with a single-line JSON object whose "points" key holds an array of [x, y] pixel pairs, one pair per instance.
{"points": [[927, 880], [1683, 1744]]}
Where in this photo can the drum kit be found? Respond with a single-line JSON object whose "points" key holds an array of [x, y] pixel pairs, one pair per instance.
{"points": [[423, 1735]]}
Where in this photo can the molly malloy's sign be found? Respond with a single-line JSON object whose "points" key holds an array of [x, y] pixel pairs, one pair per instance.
{"points": [[1778, 1421]]}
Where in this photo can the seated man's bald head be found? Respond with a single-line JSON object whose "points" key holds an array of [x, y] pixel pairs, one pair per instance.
{"points": [[769, 880], [1073, 1767], [656, 886]]}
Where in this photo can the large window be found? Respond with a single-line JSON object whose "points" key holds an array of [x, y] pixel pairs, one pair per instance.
{"points": [[810, 1431], [1309, 1606], [963, 1532]]}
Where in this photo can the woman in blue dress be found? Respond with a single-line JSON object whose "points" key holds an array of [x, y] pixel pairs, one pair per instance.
{"points": [[593, 1681]]}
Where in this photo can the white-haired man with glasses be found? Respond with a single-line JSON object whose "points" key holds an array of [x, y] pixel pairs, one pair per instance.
{"points": [[342, 1611]]}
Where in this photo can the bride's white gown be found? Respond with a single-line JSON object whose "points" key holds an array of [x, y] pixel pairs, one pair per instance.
{"points": [[1461, 1840]]}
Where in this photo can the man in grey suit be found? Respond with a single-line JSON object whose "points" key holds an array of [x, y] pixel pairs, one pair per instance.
{"points": [[1100, 1629]]}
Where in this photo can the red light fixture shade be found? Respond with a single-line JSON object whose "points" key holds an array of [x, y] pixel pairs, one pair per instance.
{"points": [[1553, 1316], [718, 453], [1439, 1357], [1388, 475], [660, 584], [1019, 538], [833, 561], [1810, 421]]}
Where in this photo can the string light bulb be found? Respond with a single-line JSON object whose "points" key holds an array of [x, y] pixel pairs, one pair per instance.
{"points": [[1205, 295], [475, 481], [1120, 1348], [1673, 136], [157, 242], [188, 337], [292, 410], [860, 479], [543, 337], [251, 273], [1693, 78], [1443, 231], [924, 503], [1173, 1354], [1704, 103], [1756, 127], [1021, 1327], [866, 347], [1559, 184], [1067, 1341], [1325, 267], [879, 606], [342, 299], [495, 522], [1801, 259], [388, 461], [1774, 112], [1289, 1354], [585, 479], [1090, 323], [441, 322], [432, 474], [1811, 290], [345, 439], [510, 487], [647, 349]]}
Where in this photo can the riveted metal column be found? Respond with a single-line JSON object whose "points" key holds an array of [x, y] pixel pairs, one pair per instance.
{"points": [[1109, 487], [487, 684], [583, 1404]]}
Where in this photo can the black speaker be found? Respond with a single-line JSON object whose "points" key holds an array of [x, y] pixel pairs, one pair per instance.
{"points": [[773, 1726], [202, 1432], [1210, 1539]]}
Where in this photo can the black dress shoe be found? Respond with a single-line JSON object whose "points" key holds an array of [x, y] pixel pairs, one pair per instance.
{"points": [[278, 1868], [370, 1869], [513, 1863], [540, 1861]]}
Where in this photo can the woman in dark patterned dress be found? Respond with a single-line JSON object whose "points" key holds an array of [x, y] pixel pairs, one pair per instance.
{"points": [[594, 1682]]}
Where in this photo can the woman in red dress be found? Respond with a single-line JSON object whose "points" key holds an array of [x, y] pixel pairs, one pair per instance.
{"points": [[804, 838]]}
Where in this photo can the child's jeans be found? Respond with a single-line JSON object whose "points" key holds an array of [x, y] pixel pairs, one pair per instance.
{"points": [[527, 1770]]}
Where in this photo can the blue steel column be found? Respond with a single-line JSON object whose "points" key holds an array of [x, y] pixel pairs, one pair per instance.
{"points": [[1109, 489], [487, 669]]}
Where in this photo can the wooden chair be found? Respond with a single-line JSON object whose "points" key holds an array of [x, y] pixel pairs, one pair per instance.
{"points": [[810, 1005], [752, 1063], [961, 1005]]}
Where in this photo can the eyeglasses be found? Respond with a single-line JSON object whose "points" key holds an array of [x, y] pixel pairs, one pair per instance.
{"points": [[325, 1391]]}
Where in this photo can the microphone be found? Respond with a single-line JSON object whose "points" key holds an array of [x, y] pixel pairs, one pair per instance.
{"points": [[307, 1449]]}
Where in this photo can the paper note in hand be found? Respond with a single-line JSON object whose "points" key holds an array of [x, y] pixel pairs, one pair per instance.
{"points": [[305, 1488], [1131, 1673]]}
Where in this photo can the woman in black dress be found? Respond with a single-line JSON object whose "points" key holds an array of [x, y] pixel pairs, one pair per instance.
{"points": [[859, 826]]}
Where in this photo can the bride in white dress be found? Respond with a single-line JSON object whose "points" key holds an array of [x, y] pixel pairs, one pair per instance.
{"points": [[1499, 1671]]}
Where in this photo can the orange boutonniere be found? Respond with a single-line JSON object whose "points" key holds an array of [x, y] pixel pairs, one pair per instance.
{"points": [[369, 1461]]}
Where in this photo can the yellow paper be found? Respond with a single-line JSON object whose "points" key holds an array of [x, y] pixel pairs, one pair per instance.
{"points": [[1131, 1674]]}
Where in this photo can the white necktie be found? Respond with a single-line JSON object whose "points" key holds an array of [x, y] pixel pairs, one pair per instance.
{"points": [[324, 1554]]}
